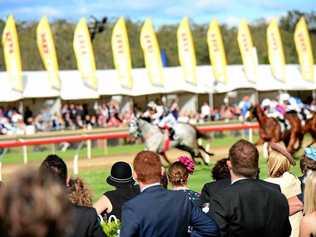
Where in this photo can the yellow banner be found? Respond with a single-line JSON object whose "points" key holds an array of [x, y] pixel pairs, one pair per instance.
{"points": [[149, 43], [304, 50], [12, 56], [46, 47], [275, 51], [186, 51], [84, 54], [217, 52], [247, 51], [121, 53]]}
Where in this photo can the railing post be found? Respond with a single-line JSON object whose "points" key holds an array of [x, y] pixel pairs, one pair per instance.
{"points": [[25, 158], [250, 135], [106, 150], [0, 170], [89, 149], [75, 166], [2, 153], [53, 148]]}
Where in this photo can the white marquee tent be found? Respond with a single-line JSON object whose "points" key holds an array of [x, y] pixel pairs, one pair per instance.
{"points": [[36, 83]]}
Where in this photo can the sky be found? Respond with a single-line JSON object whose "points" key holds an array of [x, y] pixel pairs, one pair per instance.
{"points": [[161, 11]]}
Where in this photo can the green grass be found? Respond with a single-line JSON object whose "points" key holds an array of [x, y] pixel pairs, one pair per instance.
{"points": [[14, 156], [95, 177]]}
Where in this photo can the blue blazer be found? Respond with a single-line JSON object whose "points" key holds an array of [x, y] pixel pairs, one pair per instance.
{"points": [[159, 212]]}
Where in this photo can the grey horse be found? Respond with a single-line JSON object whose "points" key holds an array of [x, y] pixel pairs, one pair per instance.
{"points": [[155, 139]]}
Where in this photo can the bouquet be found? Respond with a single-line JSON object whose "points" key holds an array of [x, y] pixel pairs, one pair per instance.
{"points": [[112, 227]]}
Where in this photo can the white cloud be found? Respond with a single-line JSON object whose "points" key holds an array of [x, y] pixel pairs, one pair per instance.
{"points": [[232, 20], [212, 4], [35, 11]]}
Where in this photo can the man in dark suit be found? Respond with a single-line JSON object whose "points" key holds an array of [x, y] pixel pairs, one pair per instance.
{"points": [[221, 177], [159, 212], [249, 207], [222, 180], [85, 221]]}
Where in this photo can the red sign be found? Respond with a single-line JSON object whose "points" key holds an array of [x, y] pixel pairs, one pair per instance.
{"points": [[9, 40]]}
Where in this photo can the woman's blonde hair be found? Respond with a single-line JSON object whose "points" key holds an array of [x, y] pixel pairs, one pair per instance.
{"points": [[310, 194], [278, 164]]}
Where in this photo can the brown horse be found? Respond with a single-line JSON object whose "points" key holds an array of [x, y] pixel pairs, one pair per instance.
{"points": [[310, 127], [270, 129], [293, 138]]}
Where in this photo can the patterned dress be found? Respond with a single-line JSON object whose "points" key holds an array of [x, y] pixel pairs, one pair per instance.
{"points": [[193, 196]]}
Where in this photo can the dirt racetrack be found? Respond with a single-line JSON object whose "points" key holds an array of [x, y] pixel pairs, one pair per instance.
{"points": [[106, 161]]}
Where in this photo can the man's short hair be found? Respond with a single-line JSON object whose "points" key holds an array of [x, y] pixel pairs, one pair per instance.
{"points": [[244, 158], [54, 167], [147, 167]]}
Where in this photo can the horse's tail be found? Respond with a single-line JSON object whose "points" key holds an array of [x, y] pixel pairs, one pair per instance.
{"points": [[200, 134]]}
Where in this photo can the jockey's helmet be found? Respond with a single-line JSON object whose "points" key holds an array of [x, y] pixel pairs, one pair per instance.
{"points": [[152, 105]]}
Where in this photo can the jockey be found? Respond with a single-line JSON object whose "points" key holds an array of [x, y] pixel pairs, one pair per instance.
{"points": [[151, 112], [272, 109], [168, 122], [296, 104]]}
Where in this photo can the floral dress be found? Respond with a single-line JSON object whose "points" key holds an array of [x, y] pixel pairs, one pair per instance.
{"points": [[193, 196]]}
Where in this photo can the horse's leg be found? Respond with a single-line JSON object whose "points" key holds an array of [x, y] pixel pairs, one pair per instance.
{"points": [[313, 138], [300, 141], [203, 149], [191, 151], [163, 154], [186, 149], [292, 142]]}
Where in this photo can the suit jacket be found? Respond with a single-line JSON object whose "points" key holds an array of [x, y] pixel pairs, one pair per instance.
{"points": [[159, 212], [209, 189], [251, 207], [85, 223]]}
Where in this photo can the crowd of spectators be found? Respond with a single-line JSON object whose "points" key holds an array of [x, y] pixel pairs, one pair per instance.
{"points": [[79, 116], [70, 117], [47, 203], [109, 114]]}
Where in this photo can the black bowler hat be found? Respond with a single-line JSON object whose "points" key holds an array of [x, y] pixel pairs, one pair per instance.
{"points": [[121, 174]]}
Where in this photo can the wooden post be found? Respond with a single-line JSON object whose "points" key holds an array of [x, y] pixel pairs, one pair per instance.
{"points": [[25, 158], [75, 166], [106, 149], [89, 149], [2, 153], [250, 135], [0, 170], [53, 148]]}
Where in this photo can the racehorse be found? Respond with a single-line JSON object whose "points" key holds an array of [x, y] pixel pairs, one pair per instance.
{"points": [[158, 141], [270, 129], [310, 127]]}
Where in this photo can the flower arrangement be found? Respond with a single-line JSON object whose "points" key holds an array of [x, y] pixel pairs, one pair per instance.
{"points": [[188, 163], [112, 227]]}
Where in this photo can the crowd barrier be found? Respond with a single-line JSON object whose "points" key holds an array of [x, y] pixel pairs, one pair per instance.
{"points": [[87, 136]]}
